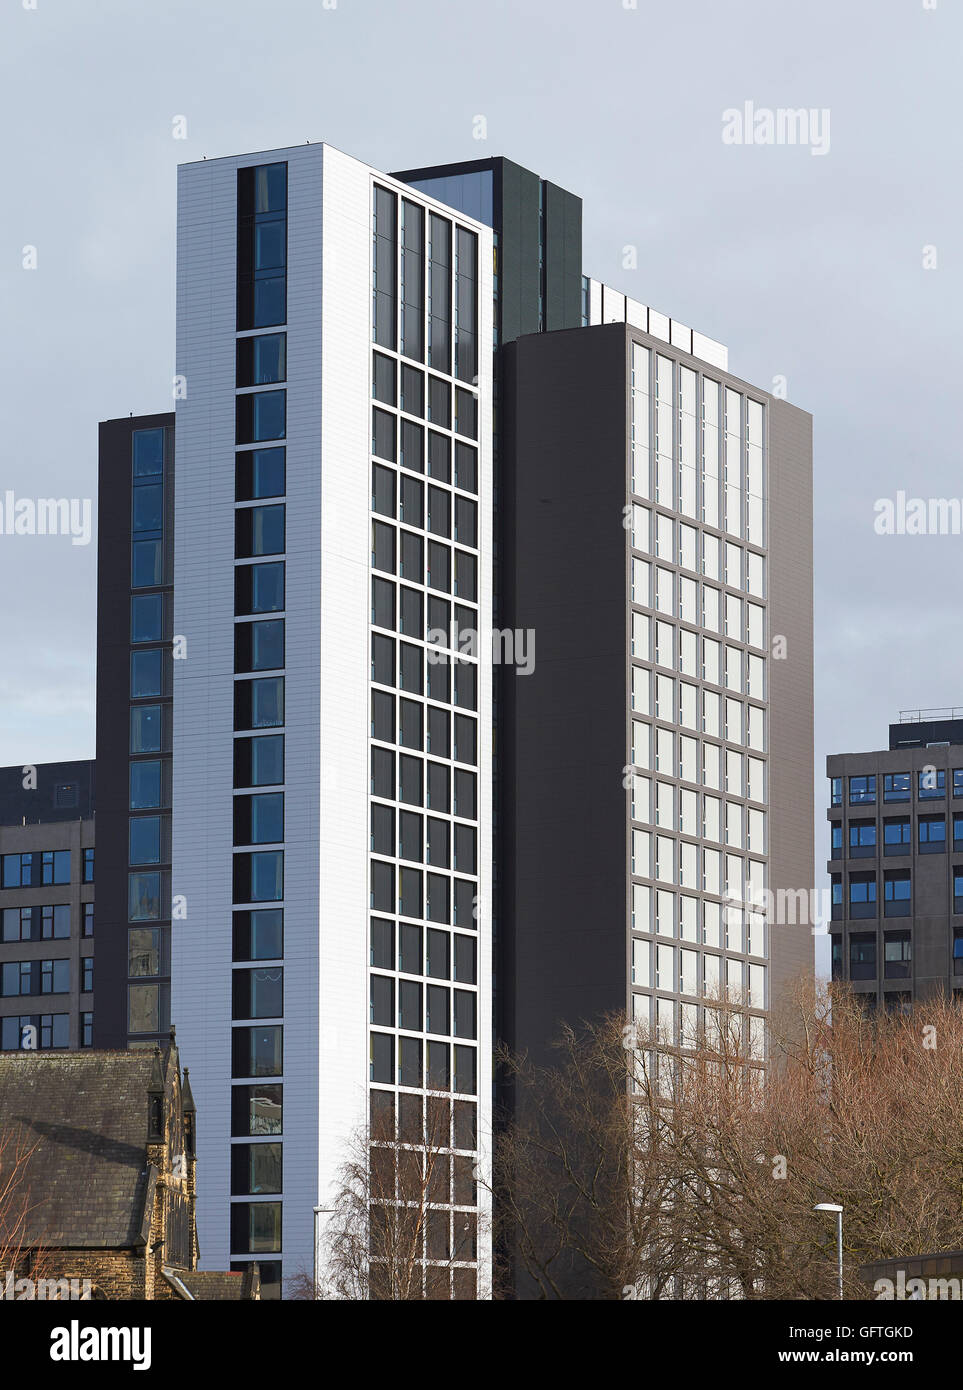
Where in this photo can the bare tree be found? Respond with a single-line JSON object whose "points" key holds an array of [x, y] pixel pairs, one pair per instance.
{"points": [[404, 1219], [640, 1165], [20, 1251]]}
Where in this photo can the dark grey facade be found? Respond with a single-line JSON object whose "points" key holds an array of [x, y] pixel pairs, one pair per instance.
{"points": [[135, 563], [46, 906], [896, 864], [583, 931]]}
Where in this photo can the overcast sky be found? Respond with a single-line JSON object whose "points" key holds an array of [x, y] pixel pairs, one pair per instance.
{"points": [[807, 266]]}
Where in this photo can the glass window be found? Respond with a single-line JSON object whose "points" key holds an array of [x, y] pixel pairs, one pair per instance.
{"points": [[259, 473], [836, 798], [259, 877], [383, 379], [255, 1227], [256, 1110], [932, 834], [270, 187], [147, 507], [412, 390], [145, 785], [56, 866], [862, 838], [148, 1008], [255, 1168], [385, 269], [931, 783], [259, 993], [896, 836], [896, 786], [147, 952], [145, 840], [259, 531], [257, 1051], [862, 790], [148, 453], [270, 245], [147, 617], [259, 820], [262, 359], [259, 588], [259, 704], [147, 673], [145, 729], [144, 897], [146, 564], [897, 892], [259, 934], [259, 646], [862, 956], [897, 955], [862, 895], [259, 762], [383, 435]]}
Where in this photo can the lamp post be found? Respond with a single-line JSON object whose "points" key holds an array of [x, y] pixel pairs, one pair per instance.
{"points": [[318, 1211], [834, 1206]]}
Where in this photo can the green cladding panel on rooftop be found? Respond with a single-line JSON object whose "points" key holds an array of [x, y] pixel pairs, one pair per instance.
{"points": [[511, 202]]}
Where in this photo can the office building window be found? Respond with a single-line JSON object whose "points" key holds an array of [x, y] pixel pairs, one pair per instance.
{"points": [[258, 993], [257, 1051], [147, 617], [896, 786], [958, 890], [255, 1227], [862, 839], [932, 834], [896, 836], [261, 360], [259, 704], [259, 876], [897, 955], [862, 790], [148, 1008], [862, 895], [931, 783], [862, 956], [261, 246], [259, 473], [896, 893]]}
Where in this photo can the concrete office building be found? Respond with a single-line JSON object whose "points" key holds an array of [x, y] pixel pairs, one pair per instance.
{"points": [[332, 784], [373, 853], [46, 906], [896, 862], [661, 755], [135, 572]]}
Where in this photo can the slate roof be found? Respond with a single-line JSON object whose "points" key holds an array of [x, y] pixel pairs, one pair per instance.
{"points": [[212, 1285], [84, 1115]]}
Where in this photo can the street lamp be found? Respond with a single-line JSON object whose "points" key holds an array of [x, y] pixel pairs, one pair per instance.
{"points": [[834, 1206], [318, 1211]]}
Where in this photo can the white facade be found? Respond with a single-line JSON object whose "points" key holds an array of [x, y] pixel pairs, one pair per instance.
{"points": [[698, 696], [602, 304], [327, 680]]}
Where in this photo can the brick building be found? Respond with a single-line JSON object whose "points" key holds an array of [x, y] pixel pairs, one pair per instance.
{"points": [[97, 1177]]}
